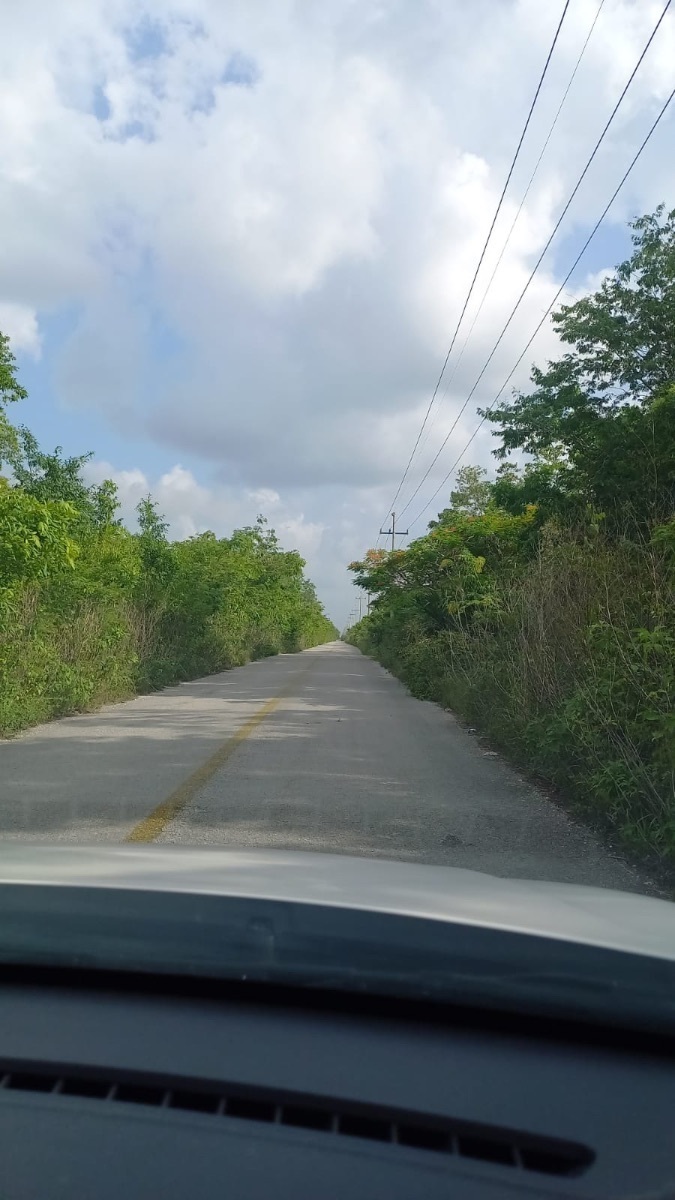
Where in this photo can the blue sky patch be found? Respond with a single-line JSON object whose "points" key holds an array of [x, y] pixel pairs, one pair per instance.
{"points": [[610, 246], [100, 105], [133, 129], [204, 101], [241, 71], [147, 40], [80, 429]]}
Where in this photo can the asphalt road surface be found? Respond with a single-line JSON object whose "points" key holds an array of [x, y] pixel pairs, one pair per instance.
{"points": [[316, 751]]}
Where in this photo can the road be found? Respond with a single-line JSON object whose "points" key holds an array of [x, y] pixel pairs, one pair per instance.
{"points": [[322, 750]]}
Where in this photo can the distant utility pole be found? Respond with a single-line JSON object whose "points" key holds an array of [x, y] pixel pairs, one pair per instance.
{"points": [[393, 533]]}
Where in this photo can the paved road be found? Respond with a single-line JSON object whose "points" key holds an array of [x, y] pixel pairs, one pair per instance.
{"points": [[316, 751]]}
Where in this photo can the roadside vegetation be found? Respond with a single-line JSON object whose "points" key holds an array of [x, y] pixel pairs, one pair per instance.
{"points": [[92, 613], [540, 605]]}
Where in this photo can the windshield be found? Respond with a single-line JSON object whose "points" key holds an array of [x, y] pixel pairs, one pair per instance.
{"points": [[337, 458]]}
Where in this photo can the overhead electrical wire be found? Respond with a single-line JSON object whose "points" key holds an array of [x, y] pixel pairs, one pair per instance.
{"points": [[484, 250], [540, 259], [520, 358], [516, 218]]}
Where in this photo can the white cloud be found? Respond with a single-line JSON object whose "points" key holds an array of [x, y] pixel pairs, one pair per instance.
{"points": [[19, 323], [190, 508], [266, 497], [264, 219]]}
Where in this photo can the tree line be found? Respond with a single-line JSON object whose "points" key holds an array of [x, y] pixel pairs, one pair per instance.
{"points": [[91, 612], [540, 604]]}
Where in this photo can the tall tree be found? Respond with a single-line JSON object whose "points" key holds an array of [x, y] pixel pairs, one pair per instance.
{"points": [[472, 491], [10, 390], [604, 413]]}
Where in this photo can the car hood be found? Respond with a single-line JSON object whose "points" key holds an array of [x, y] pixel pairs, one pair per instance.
{"points": [[567, 912]]}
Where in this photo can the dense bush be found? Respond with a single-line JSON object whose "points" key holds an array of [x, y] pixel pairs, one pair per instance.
{"points": [[91, 613], [541, 605]]}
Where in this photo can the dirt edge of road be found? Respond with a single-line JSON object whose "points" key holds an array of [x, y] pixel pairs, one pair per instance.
{"points": [[657, 872]]}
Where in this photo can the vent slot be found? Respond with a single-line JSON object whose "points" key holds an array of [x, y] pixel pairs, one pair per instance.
{"points": [[373, 1128], [424, 1137], [92, 1089], [249, 1108], [25, 1082], [488, 1150], [216, 1100], [203, 1102], [306, 1118]]}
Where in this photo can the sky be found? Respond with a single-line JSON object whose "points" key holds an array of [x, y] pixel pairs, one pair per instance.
{"points": [[235, 238]]}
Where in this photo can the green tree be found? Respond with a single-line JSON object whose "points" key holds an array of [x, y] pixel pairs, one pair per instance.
{"points": [[471, 496], [55, 477], [151, 523], [541, 606], [90, 612], [472, 492], [35, 537], [105, 502], [49, 476], [10, 390], [600, 420], [622, 342], [442, 580]]}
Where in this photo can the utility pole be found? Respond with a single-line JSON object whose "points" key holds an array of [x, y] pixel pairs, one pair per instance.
{"points": [[393, 533]]}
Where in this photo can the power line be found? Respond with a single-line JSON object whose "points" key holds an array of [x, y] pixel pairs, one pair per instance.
{"points": [[550, 307], [520, 209], [539, 260], [483, 251]]}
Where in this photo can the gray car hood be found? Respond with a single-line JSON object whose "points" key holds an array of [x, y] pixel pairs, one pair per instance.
{"points": [[585, 915]]}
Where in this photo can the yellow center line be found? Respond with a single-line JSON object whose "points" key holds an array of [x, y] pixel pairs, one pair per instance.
{"points": [[150, 828]]}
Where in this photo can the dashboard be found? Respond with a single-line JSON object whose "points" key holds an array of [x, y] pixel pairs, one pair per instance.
{"points": [[109, 1091]]}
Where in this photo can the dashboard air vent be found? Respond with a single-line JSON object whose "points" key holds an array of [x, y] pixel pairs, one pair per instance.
{"points": [[217, 1099]]}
